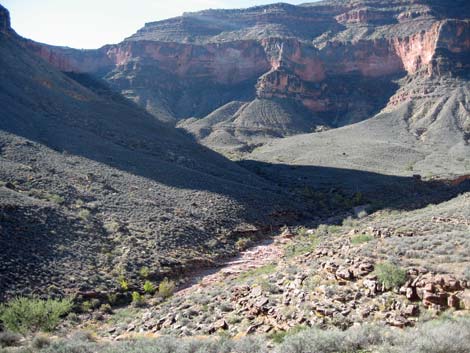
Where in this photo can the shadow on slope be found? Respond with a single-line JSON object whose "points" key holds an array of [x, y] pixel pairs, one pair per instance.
{"points": [[314, 185], [45, 250]]}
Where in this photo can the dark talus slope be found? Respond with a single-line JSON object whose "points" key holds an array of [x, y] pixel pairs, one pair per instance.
{"points": [[93, 187], [332, 63]]}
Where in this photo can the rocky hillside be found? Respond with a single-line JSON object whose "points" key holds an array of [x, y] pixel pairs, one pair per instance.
{"points": [[394, 267], [243, 76], [93, 188]]}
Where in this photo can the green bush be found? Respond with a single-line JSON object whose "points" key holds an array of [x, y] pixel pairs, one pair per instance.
{"points": [[25, 315], [166, 288], [390, 275], [137, 299], [149, 288], [123, 283]]}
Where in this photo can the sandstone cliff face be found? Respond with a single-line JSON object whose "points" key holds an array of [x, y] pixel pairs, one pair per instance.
{"points": [[338, 59], [229, 63]]}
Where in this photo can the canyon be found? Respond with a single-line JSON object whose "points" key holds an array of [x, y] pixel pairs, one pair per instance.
{"points": [[326, 64], [273, 179]]}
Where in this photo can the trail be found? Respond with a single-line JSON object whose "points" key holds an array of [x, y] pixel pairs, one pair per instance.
{"points": [[262, 254]]}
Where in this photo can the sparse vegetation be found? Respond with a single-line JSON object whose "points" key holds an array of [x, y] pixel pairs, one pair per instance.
{"points": [[166, 288], [84, 214], [40, 341], [137, 298], [25, 315], [56, 198], [144, 272], [8, 339], [301, 245], [443, 336], [390, 275], [280, 336], [243, 243], [256, 273], [112, 227], [361, 239]]}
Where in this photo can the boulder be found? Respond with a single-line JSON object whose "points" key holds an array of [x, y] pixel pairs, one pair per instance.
{"points": [[398, 321], [430, 299], [411, 310], [344, 273], [218, 325], [453, 301], [464, 298]]}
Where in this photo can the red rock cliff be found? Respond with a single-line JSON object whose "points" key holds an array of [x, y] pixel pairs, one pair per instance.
{"points": [[272, 46]]}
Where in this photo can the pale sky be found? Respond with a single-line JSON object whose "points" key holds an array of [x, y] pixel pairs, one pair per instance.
{"points": [[94, 23]]}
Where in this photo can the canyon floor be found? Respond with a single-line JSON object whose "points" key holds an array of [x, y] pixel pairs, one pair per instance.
{"points": [[379, 279]]}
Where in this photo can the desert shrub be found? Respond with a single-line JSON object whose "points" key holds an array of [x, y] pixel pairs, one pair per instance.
{"points": [[443, 336], [361, 239], [250, 344], [174, 345], [243, 243], [123, 283], [166, 288], [149, 288], [84, 214], [106, 308], [8, 339], [314, 340], [79, 342], [280, 336], [55, 198], [137, 299], [144, 272], [25, 315], [85, 306], [356, 339], [301, 245], [449, 336], [112, 298], [112, 227], [390, 275], [41, 341]]}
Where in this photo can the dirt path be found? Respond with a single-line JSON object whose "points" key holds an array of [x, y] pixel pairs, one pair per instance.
{"points": [[262, 254]]}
